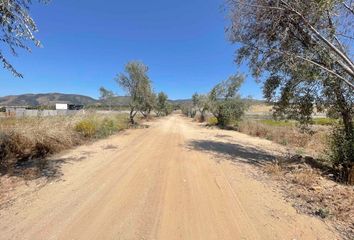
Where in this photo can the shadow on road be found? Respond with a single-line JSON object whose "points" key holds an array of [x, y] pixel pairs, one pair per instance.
{"points": [[48, 168], [232, 152]]}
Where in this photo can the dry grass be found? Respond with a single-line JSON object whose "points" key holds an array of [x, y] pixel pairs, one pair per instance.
{"points": [[288, 135], [305, 177], [313, 193], [24, 139], [260, 108]]}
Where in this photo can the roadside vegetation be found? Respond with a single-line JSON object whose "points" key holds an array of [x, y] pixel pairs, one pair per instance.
{"points": [[138, 86], [302, 53], [32, 139], [24, 140], [223, 102]]}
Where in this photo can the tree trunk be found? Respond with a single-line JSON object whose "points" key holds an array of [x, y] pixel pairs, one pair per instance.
{"points": [[131, 116], [144, 114], [351, 176], [202, 116]]}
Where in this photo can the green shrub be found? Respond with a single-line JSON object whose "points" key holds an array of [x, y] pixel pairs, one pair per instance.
{"points": [[212, 121], [106, 128], [87, 128], [342, 151], [228, 111]]}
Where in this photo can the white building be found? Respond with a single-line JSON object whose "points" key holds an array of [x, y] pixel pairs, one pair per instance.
{"points": [[61, 106]]}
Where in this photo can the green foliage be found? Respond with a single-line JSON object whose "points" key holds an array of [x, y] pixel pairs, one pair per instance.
{"points": [[86, 127], [301, 50], [17, 29], [195, 99], [212, 121], [162, 106], [342, 150], [170, 108], [202, 104], [224, 103], [137, 85], [324, 121], [277, 123], [99, 127], [228, 111], [107, 128]]}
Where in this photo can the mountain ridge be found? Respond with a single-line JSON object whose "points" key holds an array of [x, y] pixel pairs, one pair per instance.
{"points": [[45, 99]]}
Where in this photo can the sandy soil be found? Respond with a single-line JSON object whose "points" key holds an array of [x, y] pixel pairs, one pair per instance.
{"points": [[173, 180]]}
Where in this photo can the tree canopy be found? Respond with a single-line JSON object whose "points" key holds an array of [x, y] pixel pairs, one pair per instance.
{"points": [[162, 104], [303, 52], [137, 85], [224, 101], [17, 28]]}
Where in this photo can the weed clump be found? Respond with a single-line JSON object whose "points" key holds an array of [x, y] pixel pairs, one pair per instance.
{"points": [[212, 121], [86, 128]]}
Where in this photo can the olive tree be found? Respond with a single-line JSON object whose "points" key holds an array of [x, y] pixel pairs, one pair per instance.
{"points": [[187, 109], [201, 103], [137, 85], [162, 106], [302, 51], [224, 101], [148, 102], [17, 29]]}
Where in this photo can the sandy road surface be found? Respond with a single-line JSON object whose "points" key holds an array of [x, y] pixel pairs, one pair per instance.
{"points": [[173, 180]]}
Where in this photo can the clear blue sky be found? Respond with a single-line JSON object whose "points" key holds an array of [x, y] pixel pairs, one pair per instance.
{"points": [[87, 42]]}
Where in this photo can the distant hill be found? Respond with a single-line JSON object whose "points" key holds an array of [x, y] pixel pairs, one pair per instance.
{"points": [[181, 101], [250, 101], [46, 99], [121, 101], [50, 99]]}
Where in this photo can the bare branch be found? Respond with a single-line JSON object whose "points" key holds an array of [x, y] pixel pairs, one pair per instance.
{"points": [[348, 8], [350, 68]]}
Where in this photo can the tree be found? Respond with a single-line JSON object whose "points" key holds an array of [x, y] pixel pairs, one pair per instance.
{"points": [[162, 104], [137, 85], [200, 102], [302, 50], [149, 103], [224, 102], [106, 96], [188, 109], [17, 28]]}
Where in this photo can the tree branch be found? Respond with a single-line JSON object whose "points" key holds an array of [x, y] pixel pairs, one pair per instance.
{"points": [[350, 68], [348, 8]]}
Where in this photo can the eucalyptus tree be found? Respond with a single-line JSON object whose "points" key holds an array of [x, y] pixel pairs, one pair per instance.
{"points": [[225, 103], [303, 52], [17, 29], [137, 85]]}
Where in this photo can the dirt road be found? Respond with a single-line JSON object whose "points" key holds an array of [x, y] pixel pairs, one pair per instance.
{"points": [[173, 180]]}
